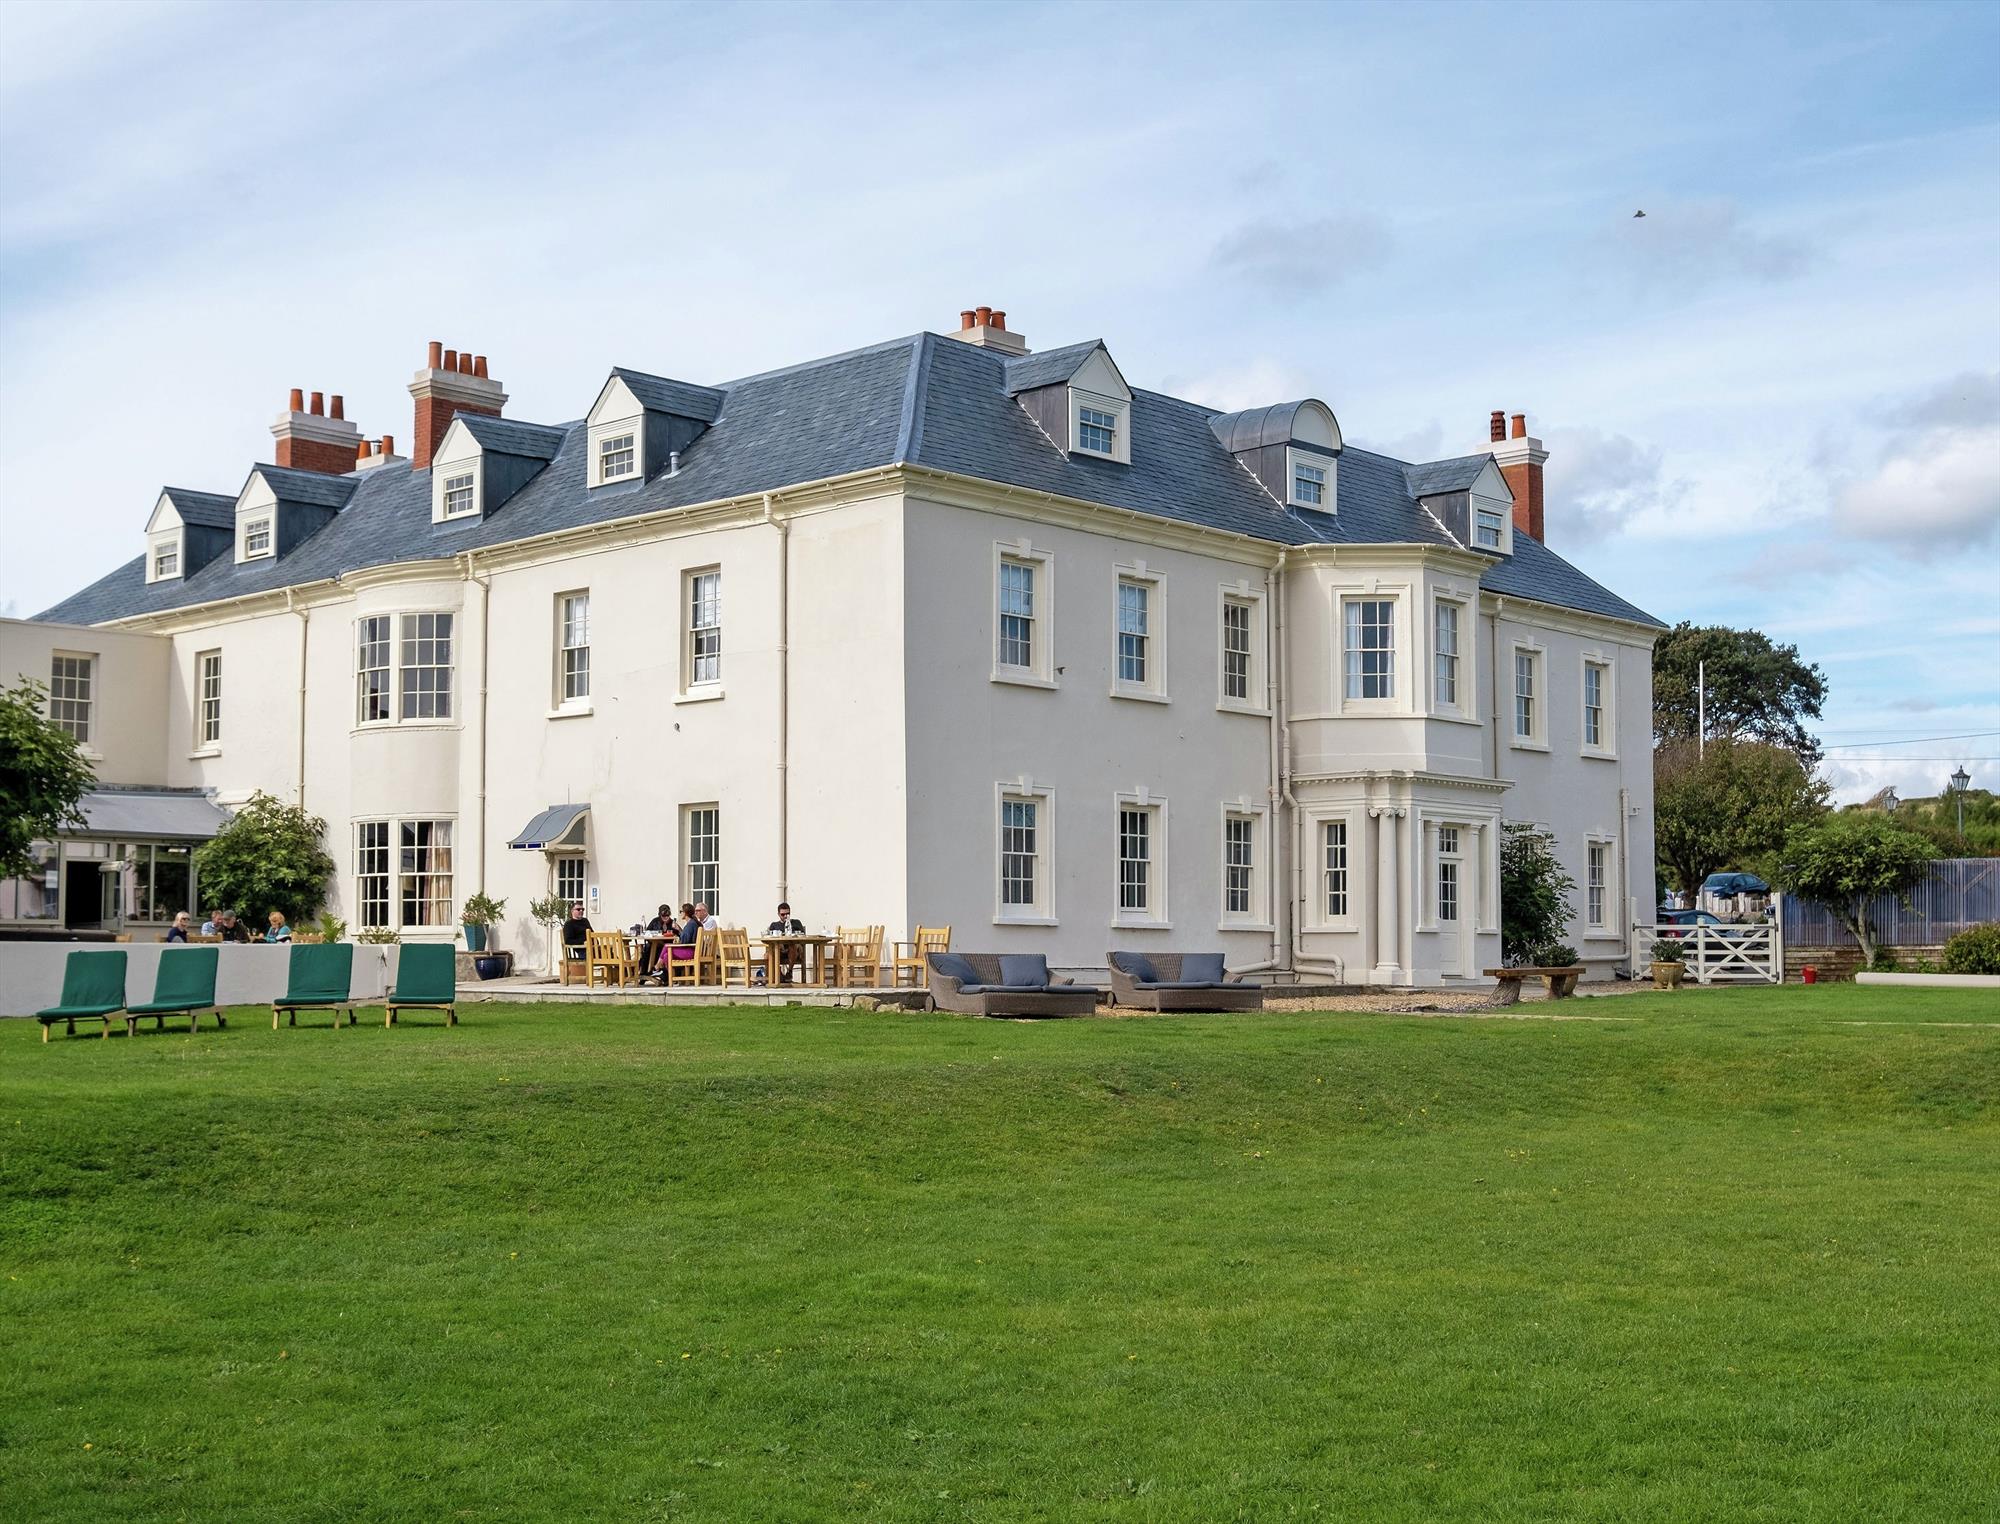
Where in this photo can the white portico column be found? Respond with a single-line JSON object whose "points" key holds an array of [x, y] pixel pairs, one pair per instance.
{"points": [[1388, 900]]}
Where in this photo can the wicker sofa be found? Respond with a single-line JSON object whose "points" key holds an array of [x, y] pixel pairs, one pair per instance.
{"points": [[1153, 982], [987, 992]]}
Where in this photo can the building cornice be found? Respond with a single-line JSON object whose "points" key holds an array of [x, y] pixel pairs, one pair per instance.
{"points": [[1403, 775], [1550, 616]]}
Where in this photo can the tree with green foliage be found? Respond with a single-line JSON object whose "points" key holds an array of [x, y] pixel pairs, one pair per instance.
{"points": [[1535, 904], [1938, 819], [42, 776], [270, 857], [1729, 805], [1846, 860], [1757, 689]]}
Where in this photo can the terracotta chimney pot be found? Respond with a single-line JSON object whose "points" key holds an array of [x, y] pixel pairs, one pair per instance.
{"points": [[388, 444], [983, 316], [1498, 425], [465, 363], [451, 359], [298, 400], [336, 406], [436, 356], [318, 404], [1000, 320], [1520, 425], [361, 449], [965, 319], [479, 366]]}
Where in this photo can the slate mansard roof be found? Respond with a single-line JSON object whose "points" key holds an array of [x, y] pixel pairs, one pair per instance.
{"points": [[924, 401]]}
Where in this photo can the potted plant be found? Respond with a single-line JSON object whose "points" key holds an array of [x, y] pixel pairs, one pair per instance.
{"points": [[480, 911], [1669, 963], [550, 911]]}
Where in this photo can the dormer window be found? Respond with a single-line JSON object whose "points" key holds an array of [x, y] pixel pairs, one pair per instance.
{"points": [[1308, 484], [1491, 528], [1096, 430], [167, 559], [256, 538], [459, 497], [616, 457]]}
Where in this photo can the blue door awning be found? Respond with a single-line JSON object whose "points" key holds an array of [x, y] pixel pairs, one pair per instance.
{"points": [[560, 825]]}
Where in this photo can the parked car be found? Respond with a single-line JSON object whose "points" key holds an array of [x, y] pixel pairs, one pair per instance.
{"points": [[1676, 923]]}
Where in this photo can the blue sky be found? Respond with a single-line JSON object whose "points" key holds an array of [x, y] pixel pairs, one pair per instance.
{"points": [[1774, 400]]}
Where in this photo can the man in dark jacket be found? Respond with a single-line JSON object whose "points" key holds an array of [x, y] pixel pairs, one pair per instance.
{"points": [[794, 955]]}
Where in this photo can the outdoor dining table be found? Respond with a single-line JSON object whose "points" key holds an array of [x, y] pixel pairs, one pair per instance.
{"points": [[811, 971]]}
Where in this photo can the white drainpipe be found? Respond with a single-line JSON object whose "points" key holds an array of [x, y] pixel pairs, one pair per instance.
{"points": [[305, 623], [485, 586], [784, 528]]}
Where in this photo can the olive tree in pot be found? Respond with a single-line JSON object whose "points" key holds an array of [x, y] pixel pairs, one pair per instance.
{"points": [[480, 911], [1669, 963], [550, 911]]}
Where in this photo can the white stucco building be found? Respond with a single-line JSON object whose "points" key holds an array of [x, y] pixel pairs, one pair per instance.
{"points": [[940, 631]]}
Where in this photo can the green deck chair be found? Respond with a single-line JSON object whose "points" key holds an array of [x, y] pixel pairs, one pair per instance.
{"points": [[426, 979], [320, 974], [93, 985], [184, 985]]}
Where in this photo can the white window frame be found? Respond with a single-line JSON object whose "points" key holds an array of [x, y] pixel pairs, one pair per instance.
{"points": [[1042, 911], [362, 645], [1120, 413], [1396, 698], [572, 653], [1353, 868], [171, 541], [564, 866], [265, 524], [1445, 853], [1480, 514], [597, 435], [1258, 916], [701, 878], [695, 685], [1153, 689], [1455, 706], [1606, 744], [441, 693], [374, 872], [464, 481], [1324, 464], [1155, 914], [1537, 737], [77, 691], [1258, 700], [1610, 908], [623, 442], [1040, 671], [423, 879], [208, 702]]}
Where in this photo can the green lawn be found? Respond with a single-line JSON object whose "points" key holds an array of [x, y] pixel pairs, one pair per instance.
{"points": [[1727, 1255]]}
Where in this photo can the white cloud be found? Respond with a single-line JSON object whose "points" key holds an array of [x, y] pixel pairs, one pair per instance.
{"points": [[1303, 258], [1683, 247], [1606, 483], [1936, 490]]}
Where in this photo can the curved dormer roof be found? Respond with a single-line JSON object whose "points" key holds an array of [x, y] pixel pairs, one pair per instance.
{"points": [[1306, 422]]}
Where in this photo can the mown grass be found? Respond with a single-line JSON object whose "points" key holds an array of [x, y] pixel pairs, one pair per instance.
{"points": [[1718, 1255]]}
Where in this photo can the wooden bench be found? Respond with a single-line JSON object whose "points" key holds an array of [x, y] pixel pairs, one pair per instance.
{"points": [[1561, 982]]}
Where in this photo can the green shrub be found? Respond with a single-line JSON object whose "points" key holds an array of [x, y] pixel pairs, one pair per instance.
{"points": [[1534, 897], [1669, 950], [1885, 961], [1976, 950]]}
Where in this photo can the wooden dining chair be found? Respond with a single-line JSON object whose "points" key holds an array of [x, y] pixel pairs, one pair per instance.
{"points": [[708, 955], [609, 953], [857, 956], [686, 970], [911, 956], [575, 965], [733, 955]]}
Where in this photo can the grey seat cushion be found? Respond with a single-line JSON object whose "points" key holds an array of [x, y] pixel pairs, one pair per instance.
{"points": [[952, 966], [1202, 968], [1024, 971], [1189, 984], [1137, 966]]}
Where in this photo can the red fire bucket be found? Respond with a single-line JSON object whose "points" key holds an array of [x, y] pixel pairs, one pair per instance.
{"points": [[1809, 975]]}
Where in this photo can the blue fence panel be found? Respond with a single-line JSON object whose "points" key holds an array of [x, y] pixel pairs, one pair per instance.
{"points": [[1960, 892]]}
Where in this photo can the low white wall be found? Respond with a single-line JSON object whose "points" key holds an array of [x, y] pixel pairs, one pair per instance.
{"points": [[31, 973], [1934, 981]]}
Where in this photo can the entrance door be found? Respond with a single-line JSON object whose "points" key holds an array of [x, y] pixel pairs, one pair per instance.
{"points": [[1450, 903], [83, 894]]}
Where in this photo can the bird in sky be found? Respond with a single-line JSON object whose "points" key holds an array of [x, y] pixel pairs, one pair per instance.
{"points": [[1638, 214]]}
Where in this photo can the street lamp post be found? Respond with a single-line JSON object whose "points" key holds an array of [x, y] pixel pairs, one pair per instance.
{"points": [[1959, 780]]}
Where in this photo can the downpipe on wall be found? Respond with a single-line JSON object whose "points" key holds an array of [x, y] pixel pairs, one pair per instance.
{"points": [[485, 586], [305, 624], [784, 528]]}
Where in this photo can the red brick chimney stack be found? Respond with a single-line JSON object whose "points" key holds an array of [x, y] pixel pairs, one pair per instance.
{"points": [[451, 382], [1520, 457], [309, 440]]}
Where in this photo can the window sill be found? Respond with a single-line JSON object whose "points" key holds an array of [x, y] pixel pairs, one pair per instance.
{"points": [[1022, 679], [706, 693], [571, 712], [1367, 708], [1590, 755], [1228, 706], [1452, 717], [1520, 745], [1603, 936], [1138, 695], [204, 754], [89, 753], [1120, 924], [1025, 920], [1264, 927], [374, 727]]}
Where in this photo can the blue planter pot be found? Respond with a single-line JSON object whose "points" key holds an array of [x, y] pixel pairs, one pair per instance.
{"points": [[490, 968], [475, 939]]}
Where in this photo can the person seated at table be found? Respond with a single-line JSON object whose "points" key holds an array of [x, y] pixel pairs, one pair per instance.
{"points": [[575, 933], [213, 925], [178, 932], [793, 955], [233, 930], [279, 931], [659, 931]]}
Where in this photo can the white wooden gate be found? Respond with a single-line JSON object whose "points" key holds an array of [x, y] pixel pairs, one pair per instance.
{"points": [[1729, 954]]}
